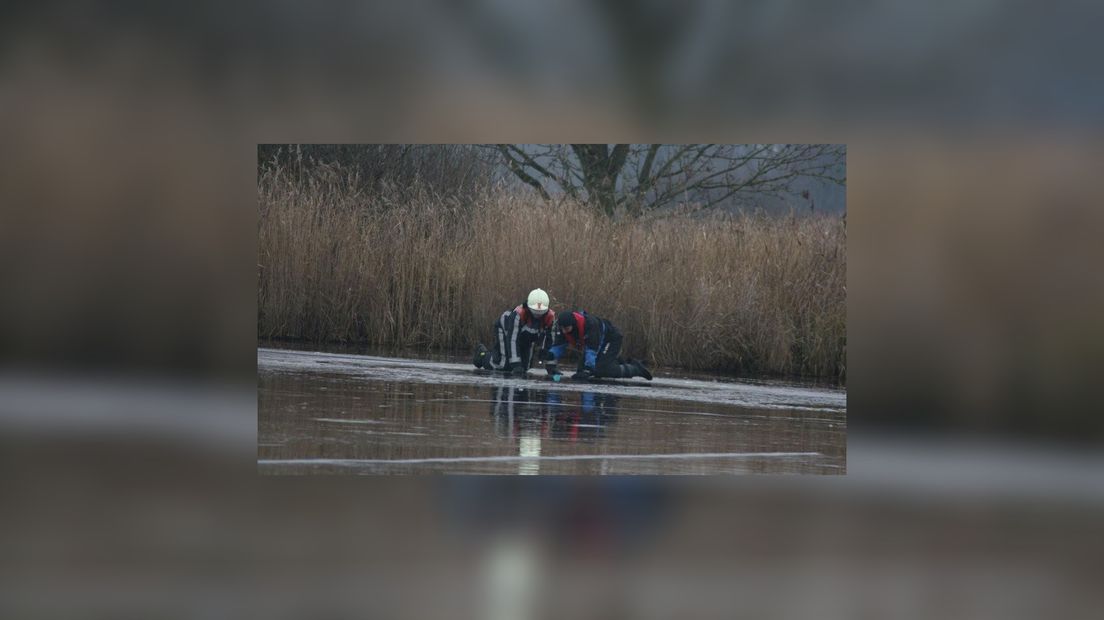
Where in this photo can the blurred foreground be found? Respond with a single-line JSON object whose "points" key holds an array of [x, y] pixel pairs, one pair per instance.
{"points": [[121, 510]]}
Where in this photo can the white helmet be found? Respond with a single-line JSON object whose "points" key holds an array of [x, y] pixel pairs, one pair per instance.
{"points": [[537, 302]]}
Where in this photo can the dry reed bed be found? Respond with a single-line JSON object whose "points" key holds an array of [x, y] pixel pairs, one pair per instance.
{"points": [[745, 293]]}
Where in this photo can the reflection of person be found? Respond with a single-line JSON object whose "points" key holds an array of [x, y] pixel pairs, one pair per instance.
{"points": [[588, 419], [516, 331], [515, 409], [600, 343], [525, 414]]}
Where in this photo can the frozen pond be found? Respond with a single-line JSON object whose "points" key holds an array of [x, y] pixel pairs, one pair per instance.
{"points": [[332, 413]]}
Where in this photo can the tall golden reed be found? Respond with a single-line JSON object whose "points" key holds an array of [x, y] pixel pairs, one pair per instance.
{"points": [[750, 294]]}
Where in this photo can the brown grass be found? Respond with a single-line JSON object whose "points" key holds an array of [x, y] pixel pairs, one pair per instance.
{"points": [[745, 293]]}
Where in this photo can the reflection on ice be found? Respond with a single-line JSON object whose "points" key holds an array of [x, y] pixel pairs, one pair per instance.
{"points": [[324, 413]]}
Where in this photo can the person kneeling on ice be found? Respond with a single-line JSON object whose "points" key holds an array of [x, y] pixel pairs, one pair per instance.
{"points": [[517, 331], [600, 342]]}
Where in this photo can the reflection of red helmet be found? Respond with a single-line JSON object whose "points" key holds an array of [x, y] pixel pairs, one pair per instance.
{"points": [[567, 425]]}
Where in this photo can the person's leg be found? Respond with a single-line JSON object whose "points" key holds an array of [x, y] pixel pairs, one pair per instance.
{"points": [[608, 364], [480, 356], [638, 369], [483, 357], [496, 359]]}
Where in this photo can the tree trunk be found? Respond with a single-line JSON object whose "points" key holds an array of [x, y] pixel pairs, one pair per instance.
{"points": [[601, 167]]}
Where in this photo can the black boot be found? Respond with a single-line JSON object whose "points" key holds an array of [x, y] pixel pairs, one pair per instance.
{"points": [[480, 357], [635, 368], [626, 370]]}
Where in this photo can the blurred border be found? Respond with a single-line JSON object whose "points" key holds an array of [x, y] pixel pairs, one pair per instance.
{"points": [[127, 246]]}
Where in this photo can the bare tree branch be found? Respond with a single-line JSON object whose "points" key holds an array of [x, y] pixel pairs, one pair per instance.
{"points": [[634, 178], [518, 168]]}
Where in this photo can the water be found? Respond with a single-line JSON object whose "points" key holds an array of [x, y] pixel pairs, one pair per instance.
{"points": [[324, 413]]}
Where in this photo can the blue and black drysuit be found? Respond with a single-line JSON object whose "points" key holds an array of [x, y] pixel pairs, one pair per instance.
{"points": [[600, 343]]}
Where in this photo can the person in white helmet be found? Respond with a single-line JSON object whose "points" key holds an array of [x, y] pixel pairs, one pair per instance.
{"points": [[518, 332]]}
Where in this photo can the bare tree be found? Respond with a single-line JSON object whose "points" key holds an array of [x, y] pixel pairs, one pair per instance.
{"points": [[635, 178]]}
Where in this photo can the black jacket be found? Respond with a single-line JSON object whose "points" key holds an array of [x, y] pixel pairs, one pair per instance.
{"points": [[589, 335]]}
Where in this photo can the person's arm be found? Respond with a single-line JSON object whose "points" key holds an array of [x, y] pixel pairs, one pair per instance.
{"points": [[593, 341], [553, 353], [515, 357]]}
